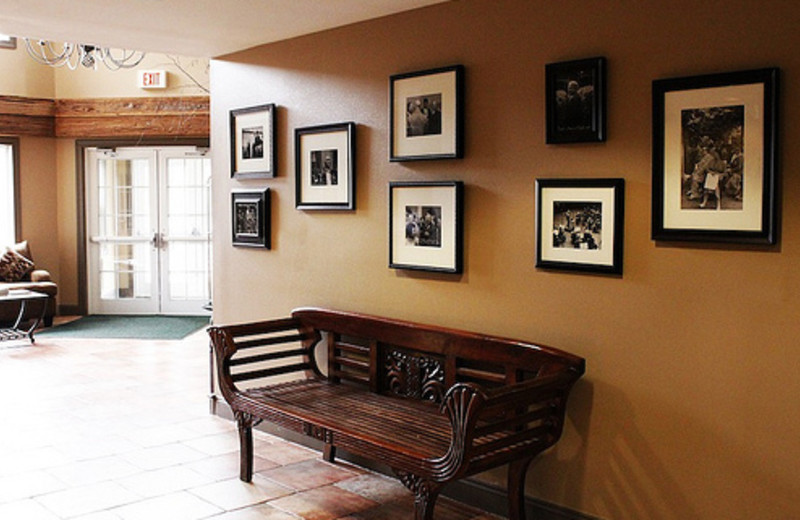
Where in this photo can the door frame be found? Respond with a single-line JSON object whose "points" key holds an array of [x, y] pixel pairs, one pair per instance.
{"points": [[80, 178]]}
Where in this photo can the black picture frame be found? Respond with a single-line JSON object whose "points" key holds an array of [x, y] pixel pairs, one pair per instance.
{"points": [[715, 158], [325, 167], [580, 224], [575, 105], [250, 218], [425, 226], [252, 138], [433, 128]]}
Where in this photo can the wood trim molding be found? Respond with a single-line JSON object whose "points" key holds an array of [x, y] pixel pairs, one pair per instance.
{"points": [[186, 116], [132, 117], [27, 116]]}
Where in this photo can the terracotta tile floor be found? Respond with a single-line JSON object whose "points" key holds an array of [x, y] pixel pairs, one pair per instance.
{"points": [[120, 429]]}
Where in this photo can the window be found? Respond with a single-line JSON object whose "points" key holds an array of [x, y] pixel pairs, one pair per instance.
{"points": [[9, 207]]}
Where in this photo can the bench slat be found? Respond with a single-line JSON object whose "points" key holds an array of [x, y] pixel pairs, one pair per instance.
{"points": [[272, 356], [268, 372], [270, 340]]}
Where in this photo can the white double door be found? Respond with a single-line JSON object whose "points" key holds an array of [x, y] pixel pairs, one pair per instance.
{"points": [[148, 230]]}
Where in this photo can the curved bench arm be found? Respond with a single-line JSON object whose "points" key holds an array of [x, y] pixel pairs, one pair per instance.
{"points": [[502, 423]]}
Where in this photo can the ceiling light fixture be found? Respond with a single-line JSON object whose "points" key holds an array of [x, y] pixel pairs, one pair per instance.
{"points": [[74, 54]]}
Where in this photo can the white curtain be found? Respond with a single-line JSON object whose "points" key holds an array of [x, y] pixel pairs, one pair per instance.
{"points": [[7, 214]]}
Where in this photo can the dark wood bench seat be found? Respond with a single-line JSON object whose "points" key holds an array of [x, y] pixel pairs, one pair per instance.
{"points": [[433, 404]]}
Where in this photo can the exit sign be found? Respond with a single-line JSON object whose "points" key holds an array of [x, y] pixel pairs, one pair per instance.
{"points": [[152, 79]]}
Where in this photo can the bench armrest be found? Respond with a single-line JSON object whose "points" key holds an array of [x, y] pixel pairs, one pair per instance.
{"points": [[501, 423], [259, 351]]}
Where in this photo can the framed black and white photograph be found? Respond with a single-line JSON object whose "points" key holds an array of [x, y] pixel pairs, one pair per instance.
{"points": [[580, 224], [576, 101], [250, 218], [714, 150], [425, 226], [253, 142], [325, 169], [426, 115]]}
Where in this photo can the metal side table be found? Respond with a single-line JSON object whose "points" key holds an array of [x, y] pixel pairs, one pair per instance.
{"points": [[24, 297]]}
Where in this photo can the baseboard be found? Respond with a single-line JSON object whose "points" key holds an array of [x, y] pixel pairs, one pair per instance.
{"points": [[68, 310], [477, 494]]}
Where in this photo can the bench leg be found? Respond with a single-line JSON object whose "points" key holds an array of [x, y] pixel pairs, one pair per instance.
{"points": [[329, 452], [245, 423], [517, 470], [425, 494]]}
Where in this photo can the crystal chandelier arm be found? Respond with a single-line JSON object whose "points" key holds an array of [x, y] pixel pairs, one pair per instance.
{"points": [[127, 60], [72, 55], [45, 53]]}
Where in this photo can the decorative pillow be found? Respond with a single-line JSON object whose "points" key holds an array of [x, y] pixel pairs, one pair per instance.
{"points": [[23, 248], [14, 266]]}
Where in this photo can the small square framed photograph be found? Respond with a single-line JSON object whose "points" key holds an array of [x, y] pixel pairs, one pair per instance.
{"points": [[425, 226], [253, 142], [325, 169], [427, 114], [714, 153], [576, 101], [250, 218], [580, 224]]}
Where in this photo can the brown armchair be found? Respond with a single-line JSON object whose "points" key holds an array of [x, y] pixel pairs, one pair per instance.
{"points": [[35, 280]]}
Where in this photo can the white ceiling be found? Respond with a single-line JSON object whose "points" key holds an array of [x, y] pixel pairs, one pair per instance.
{"points": [[196, 28]]}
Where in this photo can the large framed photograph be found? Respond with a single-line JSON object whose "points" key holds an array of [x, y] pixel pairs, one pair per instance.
{"points": [[250, 218], [427, 114], [576, 101], [325, 167], [714, 152], [580, 224], [425, 226], [253, 142]]}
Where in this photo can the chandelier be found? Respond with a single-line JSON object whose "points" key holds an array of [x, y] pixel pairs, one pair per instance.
{"points": [[80, 54]]}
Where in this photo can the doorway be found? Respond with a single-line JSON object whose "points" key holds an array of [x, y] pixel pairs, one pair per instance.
{"points": [[148, 230]]}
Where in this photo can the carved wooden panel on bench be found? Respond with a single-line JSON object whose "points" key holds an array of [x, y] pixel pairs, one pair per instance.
{"points": [[411, 374]]}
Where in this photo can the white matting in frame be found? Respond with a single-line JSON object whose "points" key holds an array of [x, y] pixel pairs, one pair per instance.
{"points": [[751, 97], [330, 141], [604, 254], [253, 142], [442, 85], [416, 201]]}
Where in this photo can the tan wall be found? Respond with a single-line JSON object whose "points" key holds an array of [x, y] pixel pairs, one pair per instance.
{"points": [[103, 83], [688, 407], [21, 76], [39, 212]]}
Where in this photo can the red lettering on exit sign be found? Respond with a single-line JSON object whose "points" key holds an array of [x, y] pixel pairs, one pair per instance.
{"points": [[152, 79]]}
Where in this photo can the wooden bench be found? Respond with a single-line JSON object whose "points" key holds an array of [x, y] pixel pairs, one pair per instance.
{"points": [[433, 404]]}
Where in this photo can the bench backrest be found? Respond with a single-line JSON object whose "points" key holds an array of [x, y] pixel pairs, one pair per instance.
{"points": [[422, 361]]}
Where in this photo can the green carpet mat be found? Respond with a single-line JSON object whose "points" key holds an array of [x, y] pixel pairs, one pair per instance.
{"points": [[127, 327]]}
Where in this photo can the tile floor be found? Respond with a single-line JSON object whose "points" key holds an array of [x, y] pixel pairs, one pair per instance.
{"points": [[120, 429]]}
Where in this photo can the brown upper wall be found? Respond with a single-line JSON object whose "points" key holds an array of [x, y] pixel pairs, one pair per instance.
{"points": [[687, 408]]}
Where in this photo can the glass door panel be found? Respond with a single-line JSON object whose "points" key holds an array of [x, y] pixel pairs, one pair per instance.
{"points": [[186, 232], [123, 197], [149, 230]]}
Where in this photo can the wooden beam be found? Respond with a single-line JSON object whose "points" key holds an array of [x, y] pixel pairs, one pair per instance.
{"points": [[133, 117], [27, 116]]}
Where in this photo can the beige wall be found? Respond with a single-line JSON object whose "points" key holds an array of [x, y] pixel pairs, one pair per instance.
{"points": [[103, 83], [39, 212], [21, 76], [687, 410]]}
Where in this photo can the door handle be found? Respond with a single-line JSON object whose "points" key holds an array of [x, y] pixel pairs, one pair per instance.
{"points": [[158, 241]]}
